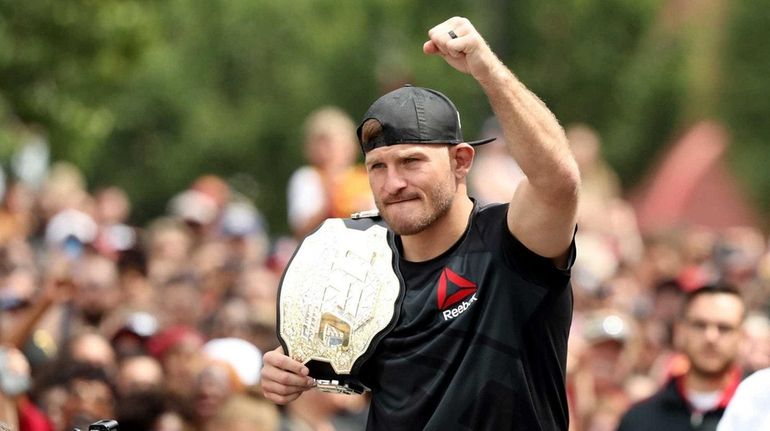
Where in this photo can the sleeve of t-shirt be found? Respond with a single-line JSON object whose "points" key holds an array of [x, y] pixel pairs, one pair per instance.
{"points": [[538, 269]]}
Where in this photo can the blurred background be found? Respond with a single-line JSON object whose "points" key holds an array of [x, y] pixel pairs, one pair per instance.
{"points": [[159, 161], [146, 95]]}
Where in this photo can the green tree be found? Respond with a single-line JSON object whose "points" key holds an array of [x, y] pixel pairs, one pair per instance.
{"points": [[61, 61], [148, 95], [743, 102]]}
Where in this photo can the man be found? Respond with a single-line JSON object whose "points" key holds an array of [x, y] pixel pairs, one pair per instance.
{"points": [[481, 338], [709, 336], [16, 409]]}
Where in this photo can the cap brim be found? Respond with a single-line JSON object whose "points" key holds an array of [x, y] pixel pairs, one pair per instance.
{"points": [[481, 141]]}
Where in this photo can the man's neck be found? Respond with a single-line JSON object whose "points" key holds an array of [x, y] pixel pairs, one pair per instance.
{"points": [[699, 382], [441, 235]]}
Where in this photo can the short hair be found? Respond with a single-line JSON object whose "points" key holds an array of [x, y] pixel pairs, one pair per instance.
{"points": [[89, 372], [326, 119], [370, 130], [710, 289]]}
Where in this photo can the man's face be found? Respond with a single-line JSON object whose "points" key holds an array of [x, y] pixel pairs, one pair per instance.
{"points": [[413, 185], [88, 401], [710, 333]]}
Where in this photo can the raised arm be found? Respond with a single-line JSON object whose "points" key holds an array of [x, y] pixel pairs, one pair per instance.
{"points": [[543, 209]]}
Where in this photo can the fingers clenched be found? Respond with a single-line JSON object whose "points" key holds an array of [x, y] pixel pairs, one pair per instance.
{"points": [[283, 378], [276, 358], [453, 38]]}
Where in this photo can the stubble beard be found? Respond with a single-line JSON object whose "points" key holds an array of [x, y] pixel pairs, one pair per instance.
{"points": [[711, 372], [439, 200]]}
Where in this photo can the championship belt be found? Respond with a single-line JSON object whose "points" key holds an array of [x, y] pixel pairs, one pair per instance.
{"points": [[338, 298]]}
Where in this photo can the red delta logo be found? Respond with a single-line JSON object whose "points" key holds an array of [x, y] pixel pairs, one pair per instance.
{"points": [[453, 289]]}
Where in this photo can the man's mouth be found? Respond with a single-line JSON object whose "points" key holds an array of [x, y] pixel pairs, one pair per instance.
{"points": [[399, 200]]}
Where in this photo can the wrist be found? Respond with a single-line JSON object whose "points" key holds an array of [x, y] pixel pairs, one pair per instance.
{"points": [[496, 76], [493, 73]]}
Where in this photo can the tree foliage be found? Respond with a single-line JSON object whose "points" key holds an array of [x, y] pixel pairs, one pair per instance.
{"points": [[743, 102], [147, 95]]}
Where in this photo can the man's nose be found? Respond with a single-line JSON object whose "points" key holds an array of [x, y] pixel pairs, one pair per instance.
{"points": [[711, 333], [394, 181]]}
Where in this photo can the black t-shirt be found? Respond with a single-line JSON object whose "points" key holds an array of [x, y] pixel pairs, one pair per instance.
{"points": [[481, 339]]}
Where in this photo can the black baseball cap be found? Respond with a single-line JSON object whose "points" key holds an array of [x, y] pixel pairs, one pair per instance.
{"points": [[414, 115]]}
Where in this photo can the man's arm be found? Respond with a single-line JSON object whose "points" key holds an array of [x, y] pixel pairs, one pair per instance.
{"points": [[543, 210]]}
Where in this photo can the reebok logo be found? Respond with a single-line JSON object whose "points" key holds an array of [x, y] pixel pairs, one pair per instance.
{"points": [[452, 289]]}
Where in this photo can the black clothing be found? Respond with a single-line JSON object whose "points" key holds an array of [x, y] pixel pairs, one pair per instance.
{"points": [[669, 410], [481, 339]]}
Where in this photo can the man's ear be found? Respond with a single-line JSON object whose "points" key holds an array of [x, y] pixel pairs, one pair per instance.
{"points": [[462, 159]]}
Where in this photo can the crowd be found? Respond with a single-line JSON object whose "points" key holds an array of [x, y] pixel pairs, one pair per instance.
{"points": [[163, 326]]}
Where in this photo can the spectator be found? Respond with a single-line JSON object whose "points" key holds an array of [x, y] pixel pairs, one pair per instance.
{"points": [[496, 174], [213, 387], [197, 210], [90, 396], [258, 286], [181, 301], [599, 180], [138, 374], [178, 348], [64, 188], [245, 233], [111, 210], [243, 357], [605, 357], [231, 319], [332, 185], [315, 410], [709, 337], [94, 349], [244, 413], [16, 410], [131, 336], [170, 243], [17, 215], [96, 291], [137, 292], [755, 352]]}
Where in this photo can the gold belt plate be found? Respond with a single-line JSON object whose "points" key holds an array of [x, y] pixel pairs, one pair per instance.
{"points": [[337, 294]]}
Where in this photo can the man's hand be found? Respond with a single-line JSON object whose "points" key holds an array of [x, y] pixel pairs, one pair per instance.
{"points": [[284, 379], [458, 42]]}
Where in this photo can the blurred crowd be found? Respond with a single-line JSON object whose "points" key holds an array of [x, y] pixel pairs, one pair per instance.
{"points": [[163, 326]]}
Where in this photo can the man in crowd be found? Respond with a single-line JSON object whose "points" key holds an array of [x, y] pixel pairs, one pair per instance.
{"points": [[709, 336]]}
